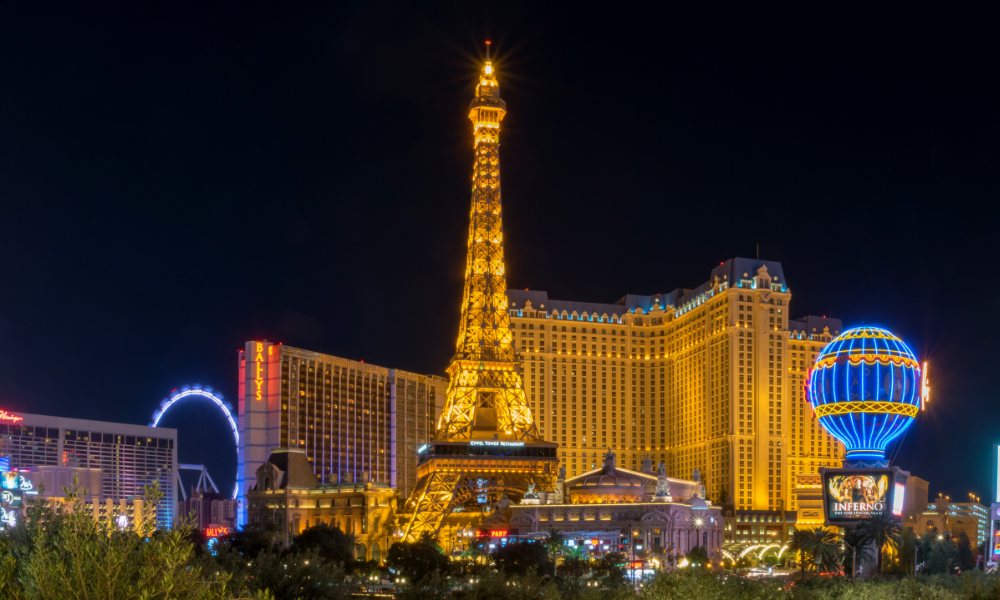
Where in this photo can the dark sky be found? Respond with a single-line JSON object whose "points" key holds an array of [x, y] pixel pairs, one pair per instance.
{"points": [[178, 178]]}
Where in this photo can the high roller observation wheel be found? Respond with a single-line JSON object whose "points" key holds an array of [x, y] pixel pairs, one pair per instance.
{"points": [[206, 392]]}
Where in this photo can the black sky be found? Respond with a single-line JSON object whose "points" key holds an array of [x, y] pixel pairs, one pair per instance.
{"points": [[176, 179]]}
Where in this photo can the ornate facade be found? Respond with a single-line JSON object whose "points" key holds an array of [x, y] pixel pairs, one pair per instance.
{"points": [[639, 513], [709, 379], [288, 494]]}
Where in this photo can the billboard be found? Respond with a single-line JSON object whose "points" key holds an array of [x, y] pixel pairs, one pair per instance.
{"points": [[851, 495]]}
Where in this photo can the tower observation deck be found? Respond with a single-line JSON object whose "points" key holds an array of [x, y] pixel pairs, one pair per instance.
{"points": [[486, 443]]}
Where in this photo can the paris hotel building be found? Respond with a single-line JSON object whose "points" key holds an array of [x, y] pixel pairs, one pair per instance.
{"points": [[710, 378], [356, 422]]}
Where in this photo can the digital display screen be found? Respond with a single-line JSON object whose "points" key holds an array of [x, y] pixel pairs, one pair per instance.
{"points": [[897, 500], [851, 497]]}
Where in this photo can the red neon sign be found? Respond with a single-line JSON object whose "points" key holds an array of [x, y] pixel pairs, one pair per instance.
{"points": [[216, 531], [492, 533], [258, 360], [6, 416]]}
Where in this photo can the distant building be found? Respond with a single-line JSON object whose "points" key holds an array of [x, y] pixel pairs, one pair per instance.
{"points": [[354, 421], [709, 378], [54, 482], [915, 500], [971, 517], [807, 495], [210, 508], [128, 457], [288, 494]]}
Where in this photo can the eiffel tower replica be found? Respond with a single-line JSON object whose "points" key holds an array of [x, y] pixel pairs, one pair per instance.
{"points": [[486, 443]]}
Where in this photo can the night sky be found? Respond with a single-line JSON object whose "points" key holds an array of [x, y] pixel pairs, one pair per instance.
{"points": [[177, 179]]}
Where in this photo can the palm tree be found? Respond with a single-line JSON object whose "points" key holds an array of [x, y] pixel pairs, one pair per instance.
{"points": [[798, 544], [856, 551], [881, 530], [818, 544], [573, 563], [555, 542], [430, 540]]}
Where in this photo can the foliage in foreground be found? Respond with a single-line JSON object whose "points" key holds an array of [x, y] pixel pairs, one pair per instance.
{"points": [[59, 552]]}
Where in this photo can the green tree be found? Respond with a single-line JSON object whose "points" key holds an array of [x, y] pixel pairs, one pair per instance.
{"points": [[857, 551], [907, 546], [555, 542], [518, 557], [883, 531], [416, 560], [942, 557], [286, 575], [332, 544], [253, 539], [963, 546], [573, 564], [697, 557], [817, 546], [609, 570], [60, 552]]}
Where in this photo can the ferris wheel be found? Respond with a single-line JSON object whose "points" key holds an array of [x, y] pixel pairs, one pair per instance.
{"points": [[197, 391]]}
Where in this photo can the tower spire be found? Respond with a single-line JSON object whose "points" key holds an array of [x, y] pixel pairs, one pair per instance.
{"points": [[486, 444], [486, 396], [487, 50]]}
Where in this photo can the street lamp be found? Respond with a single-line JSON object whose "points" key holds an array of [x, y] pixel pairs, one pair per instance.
{"points": [[854, 568]]}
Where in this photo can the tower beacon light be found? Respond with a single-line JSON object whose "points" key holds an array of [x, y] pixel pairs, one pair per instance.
{"points": [[866, 388]]}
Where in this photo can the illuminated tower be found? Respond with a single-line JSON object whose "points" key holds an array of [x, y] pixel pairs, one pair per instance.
{"points": [[485, 393], [486, 414]]}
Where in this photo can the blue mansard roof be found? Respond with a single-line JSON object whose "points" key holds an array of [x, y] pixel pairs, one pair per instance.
{"points": [[735, 272], [731, 272]]}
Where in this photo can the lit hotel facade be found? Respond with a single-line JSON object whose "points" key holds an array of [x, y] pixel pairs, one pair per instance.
{"points": [[355, 421], [710, 378], [129, 457]]}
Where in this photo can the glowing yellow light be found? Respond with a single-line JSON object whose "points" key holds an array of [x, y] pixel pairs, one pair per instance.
{"points": [[925, 388], [843, 408]]}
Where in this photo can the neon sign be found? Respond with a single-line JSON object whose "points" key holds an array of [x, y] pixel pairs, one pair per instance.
{"points": [[6, 416], [12, 497], [494, 443], [10, 480], [8, 517], [897, 500], [214, 531], [493, 533], [925, 389], [258, 361], [865, 389]]}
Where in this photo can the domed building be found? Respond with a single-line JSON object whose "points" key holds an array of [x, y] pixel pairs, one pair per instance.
{"points": [[611, 484], [613, 509]]}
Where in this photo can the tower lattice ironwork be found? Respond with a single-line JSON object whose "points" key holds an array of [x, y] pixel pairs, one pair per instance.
{"points": [[486, 413], [485, 390]]}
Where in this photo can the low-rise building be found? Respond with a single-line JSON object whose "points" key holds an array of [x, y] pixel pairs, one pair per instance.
{"points": [[970, 517], [639, 513], [289, 495], [55, 483]]}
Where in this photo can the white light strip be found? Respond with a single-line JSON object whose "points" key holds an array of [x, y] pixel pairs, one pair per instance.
{"points": [[218, 401]]}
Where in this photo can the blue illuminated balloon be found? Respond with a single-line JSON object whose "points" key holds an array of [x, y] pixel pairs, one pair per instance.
{"points": [[866, 389]]}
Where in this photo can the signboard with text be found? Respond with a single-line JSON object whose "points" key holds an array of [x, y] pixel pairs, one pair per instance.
{"points": [[852, 495]]}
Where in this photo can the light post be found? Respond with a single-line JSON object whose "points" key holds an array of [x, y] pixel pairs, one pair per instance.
{"points": [[854, 567], [916, 548]]}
